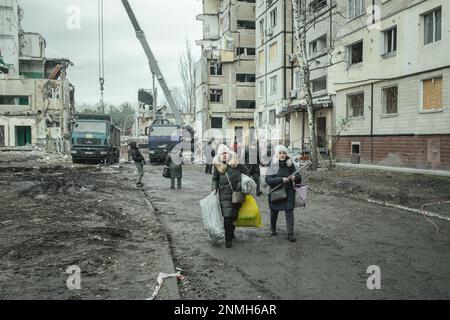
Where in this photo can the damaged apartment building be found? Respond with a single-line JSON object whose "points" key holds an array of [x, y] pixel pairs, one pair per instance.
{"points": [[225, 74], [379, 78], [36, 99]]}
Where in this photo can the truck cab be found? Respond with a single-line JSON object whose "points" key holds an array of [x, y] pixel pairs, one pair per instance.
{"points": [[162, 137], [95, 139]]}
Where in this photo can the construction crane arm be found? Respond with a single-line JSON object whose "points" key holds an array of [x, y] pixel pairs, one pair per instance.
{"points": [[154, 67]]}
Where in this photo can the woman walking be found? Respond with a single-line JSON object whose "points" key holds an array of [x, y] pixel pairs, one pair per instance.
{"points": [[174, 161], [281, 174], [227, 181]]}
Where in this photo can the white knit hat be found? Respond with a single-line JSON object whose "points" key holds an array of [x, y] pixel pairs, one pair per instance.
{"points": [[279, 148], [222, 149]]}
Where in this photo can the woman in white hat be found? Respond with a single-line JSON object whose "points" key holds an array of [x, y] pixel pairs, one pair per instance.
{"points": [[281, 174], [227, 180]]}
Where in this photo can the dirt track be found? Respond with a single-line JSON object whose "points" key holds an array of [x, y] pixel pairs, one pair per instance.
{"points": [[54, 217]]}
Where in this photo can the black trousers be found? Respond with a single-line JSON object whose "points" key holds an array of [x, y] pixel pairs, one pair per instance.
{"points": [[228, 223], [208, 169], [289, 221]]}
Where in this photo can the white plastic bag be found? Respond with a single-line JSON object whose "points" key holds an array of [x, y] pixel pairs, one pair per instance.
{"points": [[212, 217], [248, 185], [301, 193]]}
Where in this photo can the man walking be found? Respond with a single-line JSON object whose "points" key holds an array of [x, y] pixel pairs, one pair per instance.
{"points": [[139, 161]]}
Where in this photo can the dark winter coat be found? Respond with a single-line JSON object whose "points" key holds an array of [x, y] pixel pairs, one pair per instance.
{"points": [[221, 184], [137, 155], [176, 170], [253, 169], [277, 171]]}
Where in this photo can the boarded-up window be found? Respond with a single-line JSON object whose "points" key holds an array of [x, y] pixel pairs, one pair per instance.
{"points": [[273, 51], [261, 57], [432, 94]]}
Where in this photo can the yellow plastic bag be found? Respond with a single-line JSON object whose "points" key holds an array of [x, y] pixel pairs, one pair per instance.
{"points": [[249, 215]]}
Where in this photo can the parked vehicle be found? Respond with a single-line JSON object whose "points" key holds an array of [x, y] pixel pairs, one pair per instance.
{"points": [[95, 139], [162, 137]]}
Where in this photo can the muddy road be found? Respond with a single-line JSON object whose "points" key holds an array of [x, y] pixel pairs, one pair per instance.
{"points": [[338, 239], [53, 216]]}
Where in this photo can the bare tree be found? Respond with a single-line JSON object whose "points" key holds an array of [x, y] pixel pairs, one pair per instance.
{"points": [[304, 20], [186, 66]]}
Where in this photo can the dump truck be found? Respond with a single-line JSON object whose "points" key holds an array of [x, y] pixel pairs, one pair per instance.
{"points": [[95, 138]]}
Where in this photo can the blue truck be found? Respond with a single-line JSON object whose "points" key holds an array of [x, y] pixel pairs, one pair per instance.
{"points": [[94, 138], [162, 137]]}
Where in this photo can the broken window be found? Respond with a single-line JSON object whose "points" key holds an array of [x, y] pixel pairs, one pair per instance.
{"points": [[390, 40], [246, 24], [317, 5], [433, 25], [14, 100], [245, 77], [245, 104], [390, 100], [215, 95], [319, 84], [245, 51], [355, 105], [318, 45], [215, 68], [432, 94], [356, 53], [356, 8], [216, 123]]}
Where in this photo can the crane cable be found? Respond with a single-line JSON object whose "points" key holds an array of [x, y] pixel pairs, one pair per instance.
{"points": [[101, 53]]}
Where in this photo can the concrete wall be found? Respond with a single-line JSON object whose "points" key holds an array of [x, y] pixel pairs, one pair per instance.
{"points": [[10, 124], [9, 35]]}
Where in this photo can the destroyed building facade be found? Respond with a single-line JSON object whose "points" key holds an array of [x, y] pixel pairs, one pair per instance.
{"points": [[36, 98], [225, 73]]}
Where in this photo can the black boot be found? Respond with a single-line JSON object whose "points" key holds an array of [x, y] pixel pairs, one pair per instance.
{"points": [[273, 231], [228, 244], [291, 238]]}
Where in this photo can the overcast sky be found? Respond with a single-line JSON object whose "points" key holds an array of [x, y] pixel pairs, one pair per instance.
{"points": [[167, 23]]}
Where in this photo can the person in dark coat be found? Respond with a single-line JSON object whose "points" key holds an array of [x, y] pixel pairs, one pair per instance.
{"points": [[209, 152], [174, 161], [139, 162], [226, 163], [252, 162], [280, 169]]}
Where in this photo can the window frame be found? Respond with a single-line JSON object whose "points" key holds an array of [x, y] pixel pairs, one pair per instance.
{"points": [[422, 94], [384, 100], [211, 94], [350, 106], [434, 26], [273, 79]]}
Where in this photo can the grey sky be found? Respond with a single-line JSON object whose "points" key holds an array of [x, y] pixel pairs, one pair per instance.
{"points": [[167, 23]]}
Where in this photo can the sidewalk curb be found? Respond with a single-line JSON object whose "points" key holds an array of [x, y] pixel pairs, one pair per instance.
{"points": [[439, 173], [169, 289]]}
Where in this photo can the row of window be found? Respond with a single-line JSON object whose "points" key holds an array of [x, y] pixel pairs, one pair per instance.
{"points": [[216, 96], [431, 95]]}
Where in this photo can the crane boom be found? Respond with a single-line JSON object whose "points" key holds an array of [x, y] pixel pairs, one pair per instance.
{"points": [[154, 67]]}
